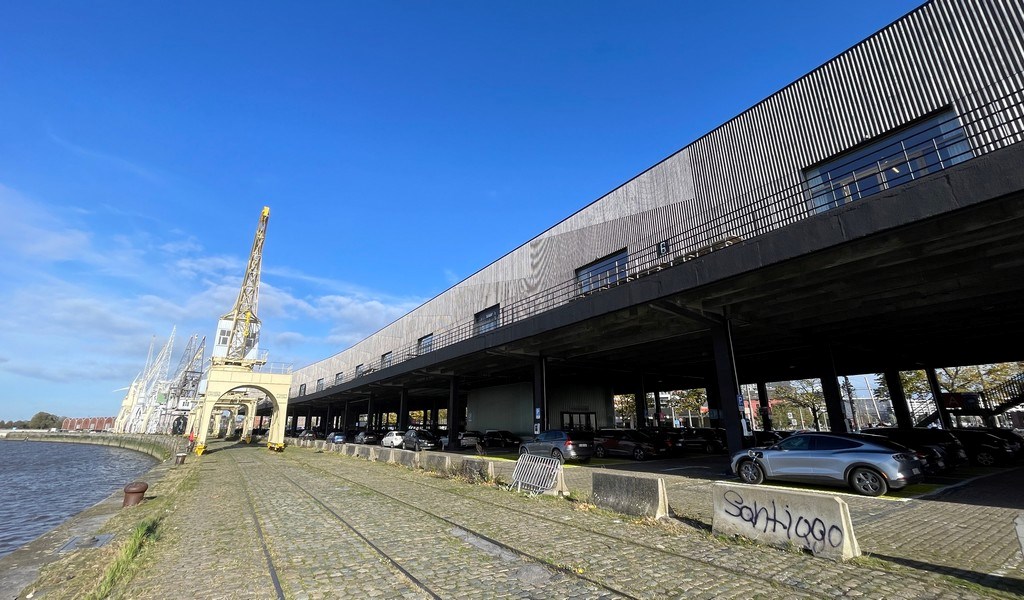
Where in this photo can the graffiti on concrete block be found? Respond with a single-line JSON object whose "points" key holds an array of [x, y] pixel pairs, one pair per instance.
{"points": [[809, 531]]}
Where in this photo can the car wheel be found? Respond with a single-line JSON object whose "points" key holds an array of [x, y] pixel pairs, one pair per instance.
{"points": [[984, 458], [638, 454], [403, 446], [751, 472], [599, 452], [557, 455], [710, 448], [868, 482], [523, 451]]}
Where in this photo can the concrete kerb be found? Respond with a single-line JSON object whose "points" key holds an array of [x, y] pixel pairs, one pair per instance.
{"points": [[781, 517], [631, 495]]}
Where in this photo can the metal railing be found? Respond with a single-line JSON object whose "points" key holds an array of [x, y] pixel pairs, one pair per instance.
{"points": [[994, 120]]}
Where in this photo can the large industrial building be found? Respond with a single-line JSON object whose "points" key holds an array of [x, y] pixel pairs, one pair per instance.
{"points": [[867, 218]]}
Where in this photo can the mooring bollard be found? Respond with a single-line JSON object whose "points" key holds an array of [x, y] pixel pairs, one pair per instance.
{"points": [[134, 492], [179, 458]]}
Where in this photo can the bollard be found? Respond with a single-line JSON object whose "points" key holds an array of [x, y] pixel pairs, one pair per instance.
{"points": [[134, 492], [179, 458]]}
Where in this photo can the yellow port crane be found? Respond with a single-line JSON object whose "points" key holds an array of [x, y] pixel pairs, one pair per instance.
{"points": [[244, 324]]}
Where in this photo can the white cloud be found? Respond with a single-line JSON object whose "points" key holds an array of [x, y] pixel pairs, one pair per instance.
{"points": [[104, 158]]}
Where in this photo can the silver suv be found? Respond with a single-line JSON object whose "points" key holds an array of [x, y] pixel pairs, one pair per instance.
{"points": [[563, 445], [870, 464]]}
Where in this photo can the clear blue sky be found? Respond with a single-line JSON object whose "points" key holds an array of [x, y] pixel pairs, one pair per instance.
{"points": [[401, 147]]}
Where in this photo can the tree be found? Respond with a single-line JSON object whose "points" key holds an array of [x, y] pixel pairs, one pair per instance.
{"points": [[691, 401], [805, 393], [44, 420], [625, 407]]}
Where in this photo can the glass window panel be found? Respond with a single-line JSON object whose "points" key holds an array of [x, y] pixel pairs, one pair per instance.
{"points": [[925, 147]]}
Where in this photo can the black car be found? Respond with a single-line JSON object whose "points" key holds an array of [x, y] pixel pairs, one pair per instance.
{"points": [[710, 440], [421, 439], [499, 438], [951, 449], [667, 440], [983, 448], [624, 442], [763, 438]]}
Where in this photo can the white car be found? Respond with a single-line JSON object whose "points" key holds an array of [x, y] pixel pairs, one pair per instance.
{"points": [[393, 439]]}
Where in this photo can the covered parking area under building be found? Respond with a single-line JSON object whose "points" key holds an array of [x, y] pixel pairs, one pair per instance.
{"points": [[927, 274]]}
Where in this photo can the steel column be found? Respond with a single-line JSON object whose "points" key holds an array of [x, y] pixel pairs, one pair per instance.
{"points": [[898, 399], [540, 395], [763, 402], [727, 384], [933, 383]]}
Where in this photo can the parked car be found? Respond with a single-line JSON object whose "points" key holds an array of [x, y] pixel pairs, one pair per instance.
{"points": [[667, 440], [469, 439], [983, 448], [309, 434], [562, 445], [1012, 438], [368, 436], [499, 438], [392, 439], [919, 438], [625, 442], [421, 439], [710, 440], [871, 465], [339, 437], [763, 438]]}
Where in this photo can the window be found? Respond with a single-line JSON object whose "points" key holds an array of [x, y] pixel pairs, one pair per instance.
{"points": [[223, 337], [339, 377], [302, 390], [425, 344], [486, 320], [320, 384], [927, 146], [360, 370], [603, 272], [385, 360], [796, 442], [830, 443], [579, 421]]}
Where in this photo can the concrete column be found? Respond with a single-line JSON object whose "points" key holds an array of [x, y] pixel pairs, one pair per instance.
{"points": [[327, 421], [933, 383], [540, 395], [657, 407], [640, 399], [833, 395], [762, 401], [369, 412], [453, 413], [403, 409], [728, 384]]}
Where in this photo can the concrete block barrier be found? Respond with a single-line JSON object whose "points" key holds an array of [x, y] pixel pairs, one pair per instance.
{"points": [[630, 495], [438, 463], [780, 517], [386, 455], [319, 444], [407, 458], [476, 469]]}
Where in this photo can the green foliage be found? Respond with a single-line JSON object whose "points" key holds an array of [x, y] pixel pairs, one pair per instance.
{"points": [[44, 420]]}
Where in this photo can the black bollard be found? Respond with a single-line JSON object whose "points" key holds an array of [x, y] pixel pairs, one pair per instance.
{"points": [[134, 492]]}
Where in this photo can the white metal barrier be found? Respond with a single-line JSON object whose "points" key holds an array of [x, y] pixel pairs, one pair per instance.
{"points": [[538, 475]]}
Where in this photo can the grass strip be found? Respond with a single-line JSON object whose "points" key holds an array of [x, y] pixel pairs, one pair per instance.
{"points": [[125, 564]]}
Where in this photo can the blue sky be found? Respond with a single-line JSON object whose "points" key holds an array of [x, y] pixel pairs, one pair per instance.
{"points": [[401, 147]]}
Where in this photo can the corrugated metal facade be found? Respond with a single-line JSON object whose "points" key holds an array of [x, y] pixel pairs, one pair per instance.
{"points": [[746, 177]]}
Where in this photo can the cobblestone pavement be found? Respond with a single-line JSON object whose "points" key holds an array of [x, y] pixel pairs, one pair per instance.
{"points": [[341, 527]]}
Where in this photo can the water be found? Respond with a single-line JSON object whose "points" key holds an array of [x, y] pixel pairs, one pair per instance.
{"points": [[44, 483]]}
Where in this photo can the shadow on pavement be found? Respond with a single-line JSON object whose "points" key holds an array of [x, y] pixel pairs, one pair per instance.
{"points": [[996, 582]]}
